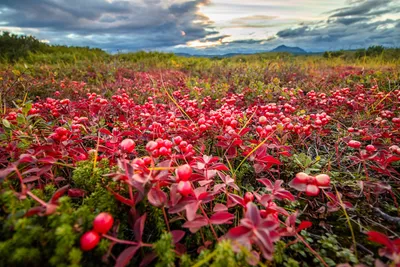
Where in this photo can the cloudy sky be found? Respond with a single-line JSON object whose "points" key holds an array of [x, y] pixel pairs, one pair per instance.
{"points": [[206, 26]]}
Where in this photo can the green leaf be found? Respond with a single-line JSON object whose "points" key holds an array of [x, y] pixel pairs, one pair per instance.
{"points": [[27, 108], [6, 123], [20, 118]]}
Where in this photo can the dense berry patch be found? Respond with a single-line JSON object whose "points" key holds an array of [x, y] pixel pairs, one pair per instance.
{"points": [[274, 167]]}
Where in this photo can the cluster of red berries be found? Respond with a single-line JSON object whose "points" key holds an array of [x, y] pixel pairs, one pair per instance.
{"points": [[159, 147], [183, 174], [11, 116], [60, 134], [310, 184], [101, 225], [142, 162], [183, 146]]}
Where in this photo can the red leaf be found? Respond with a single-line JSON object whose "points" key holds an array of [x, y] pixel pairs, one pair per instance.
{"points": [[303, 225], [253, 213], [139, 227], [177, 235], [121, 198], [380, 238], [105, 131], [220, 207], [238, 232], [268, 184], [6, 171], [298, 184], [219, 167], [269, 159], [196, 223], [191, 210], [34, 211], [148, 259], [31, 179], [392, 159], [47, 160], [157, 197], [26, 158], [236, 200], [59, 193], [76, 192], [125, 257], [222, 217]]}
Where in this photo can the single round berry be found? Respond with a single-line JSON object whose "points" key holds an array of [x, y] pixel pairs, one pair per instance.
{"points": [[89, 240], [184, 188], [103, 223], [147, 160], [370, 148], [263, 214], [151, 145], [323, 180], [302, 177], [262, 120], [354, 144], [138, 161], [127, 145], [248, 197], [184, 172], [312, 190], [163, 151]]}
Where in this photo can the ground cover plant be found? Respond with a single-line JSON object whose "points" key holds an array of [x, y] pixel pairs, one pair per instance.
{"points": [[268, 160]]}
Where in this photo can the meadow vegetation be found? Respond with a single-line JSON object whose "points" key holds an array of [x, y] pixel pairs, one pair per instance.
{"points": [[152, 159]]}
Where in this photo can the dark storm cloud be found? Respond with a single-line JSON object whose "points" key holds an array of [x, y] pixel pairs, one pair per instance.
{"points": [[361, 8], [139, 24], [348, 21], [287, 33], [362, 24]]}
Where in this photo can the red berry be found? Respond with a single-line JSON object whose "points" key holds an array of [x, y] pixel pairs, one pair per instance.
{"points": [[163, 151], [183, 144], [138, 161], [151, 145], [184, 188], [177, 140], [354, 144], [248, 197], [103, 223], [167, 144], [61, 131], [127, 145], [89, 240], [184, 172], [262, 120], [312, 190], [263, 214], [302, 177], [323, 180], [370, 148], [147, 160]]}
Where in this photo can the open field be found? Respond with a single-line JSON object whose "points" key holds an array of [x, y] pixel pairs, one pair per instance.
{"points": [[268, 160]]}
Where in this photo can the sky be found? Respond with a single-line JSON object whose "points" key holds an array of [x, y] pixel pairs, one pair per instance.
{"points": [[206, 26]]}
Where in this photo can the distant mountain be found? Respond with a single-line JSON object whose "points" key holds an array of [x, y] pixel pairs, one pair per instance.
{"points": [[293, 50], [282, 48]]}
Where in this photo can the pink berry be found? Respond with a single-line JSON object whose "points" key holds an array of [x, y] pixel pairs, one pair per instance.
{"points": [[184, 172], [103, 223], [127, 145], [89, 240], [184, 188]]}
